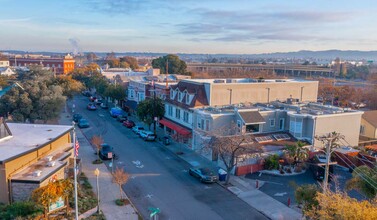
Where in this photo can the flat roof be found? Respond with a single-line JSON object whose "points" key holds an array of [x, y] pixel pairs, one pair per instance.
{"points": [[29, 137], [245, 80]]}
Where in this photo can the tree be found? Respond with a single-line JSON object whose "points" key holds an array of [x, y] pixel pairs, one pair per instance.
{"points": [[227, 143], [149, 108], [364, 180], [296, 153], [69, 85], [334, 206], [175, 65], [120, 177], [131, 61], [52, 192], [115, 92], [97, 141], [305, 196]]}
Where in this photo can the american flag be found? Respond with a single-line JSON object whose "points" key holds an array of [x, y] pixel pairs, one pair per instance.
{"points": [[77, 146]]}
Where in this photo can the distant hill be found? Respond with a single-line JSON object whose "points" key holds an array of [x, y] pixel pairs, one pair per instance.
{"points": [[303, 54]]}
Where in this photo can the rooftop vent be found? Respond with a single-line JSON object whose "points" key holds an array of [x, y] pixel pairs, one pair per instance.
{"points": [[37, 173], [49, 158], [51, 164]]}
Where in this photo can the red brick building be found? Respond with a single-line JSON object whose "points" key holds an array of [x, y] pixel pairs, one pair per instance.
{"points": [[59, 65]]}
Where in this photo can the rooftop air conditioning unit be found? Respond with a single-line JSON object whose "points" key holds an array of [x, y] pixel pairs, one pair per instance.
{"points": [[51, 164], [37, 173], [49, 158]]}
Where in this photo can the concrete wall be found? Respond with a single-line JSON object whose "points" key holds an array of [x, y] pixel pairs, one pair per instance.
{"points": [[258, 92], [345, 124], [369, 130]]}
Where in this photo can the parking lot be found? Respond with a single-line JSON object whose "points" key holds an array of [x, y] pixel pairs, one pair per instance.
{"points": [[282, 187]]}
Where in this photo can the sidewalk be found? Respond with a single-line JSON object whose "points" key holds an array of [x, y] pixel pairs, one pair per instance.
{"points": [[244, 188], [109, 191]]}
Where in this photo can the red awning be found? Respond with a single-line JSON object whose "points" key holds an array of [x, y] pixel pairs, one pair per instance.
{"points": [[179, 129], [372, 147]]}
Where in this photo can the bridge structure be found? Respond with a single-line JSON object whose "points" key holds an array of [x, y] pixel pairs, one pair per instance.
{"points": [[289, 70]]}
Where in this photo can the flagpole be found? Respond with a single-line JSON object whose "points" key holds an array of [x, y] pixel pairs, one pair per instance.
{"points": [[75, 172]]}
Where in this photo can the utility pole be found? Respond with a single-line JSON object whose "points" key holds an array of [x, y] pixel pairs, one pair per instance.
{"points": [[330, 142], [154, 108]]}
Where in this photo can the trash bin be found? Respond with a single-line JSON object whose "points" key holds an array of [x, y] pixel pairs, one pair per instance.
{"points": [[222, 175], [166, 140]]}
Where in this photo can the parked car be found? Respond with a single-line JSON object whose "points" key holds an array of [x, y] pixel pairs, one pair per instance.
{"points": [[92, 98], [204, 174], [317, 166], [91, 106], [129, 124], [106, 152], [98, 101], [76, 117], [121, 118], [104, 105], [83, 123], [144, 133], [137, 129], [114, 112], [150, 136], [86, 93]]}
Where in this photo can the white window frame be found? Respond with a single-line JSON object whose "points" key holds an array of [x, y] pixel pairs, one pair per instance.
{"points": [[282, 119], [272, 122], [179, 96], [362, 129], [170, 110], [171, 94], [187, 98], [178, 113], [186, 116]]}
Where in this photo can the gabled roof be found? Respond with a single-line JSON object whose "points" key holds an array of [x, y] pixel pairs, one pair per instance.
{"points": [[370, 117], [198, 90], [251, 117]]}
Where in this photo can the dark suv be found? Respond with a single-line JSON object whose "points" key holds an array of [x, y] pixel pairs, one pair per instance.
{"points": [[106, 152]]}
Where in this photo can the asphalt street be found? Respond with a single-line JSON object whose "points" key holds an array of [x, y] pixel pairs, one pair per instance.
{"points": [[159, 178]]}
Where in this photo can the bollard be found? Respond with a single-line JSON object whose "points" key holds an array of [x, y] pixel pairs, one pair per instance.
{"points": [[289, 201], [256, 184]]}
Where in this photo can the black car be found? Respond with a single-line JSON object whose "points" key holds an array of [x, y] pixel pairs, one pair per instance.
{"points": [[106, 152], [121, 118], [317, 166], [204, 174], [76, 117]]}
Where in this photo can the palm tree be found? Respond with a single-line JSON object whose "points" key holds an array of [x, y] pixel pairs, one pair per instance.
{"points": [[296, 153]]}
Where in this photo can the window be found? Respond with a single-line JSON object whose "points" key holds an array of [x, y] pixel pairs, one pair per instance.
{"points": [[207, 125], [179, 96], [202, 123], [272, 122], [362, 129], [187, 98], [178, 113], [170, 110], [132, 93], [185, 116], [281, 124], [171, 94]]}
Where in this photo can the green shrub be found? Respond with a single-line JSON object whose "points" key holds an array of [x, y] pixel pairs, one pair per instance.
{"points": [[20, 209], [272, 162]]}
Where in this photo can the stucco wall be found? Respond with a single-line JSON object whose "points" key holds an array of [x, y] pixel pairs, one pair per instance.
{"points": [[369, 130], [258, 92], [345, 124]]}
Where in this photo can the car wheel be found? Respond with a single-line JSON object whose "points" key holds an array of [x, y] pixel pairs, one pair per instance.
{"points": [[190, 173]]}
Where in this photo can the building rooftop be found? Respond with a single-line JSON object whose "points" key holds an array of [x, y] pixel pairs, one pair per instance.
{"points": [[244, 81], [28, 137]]}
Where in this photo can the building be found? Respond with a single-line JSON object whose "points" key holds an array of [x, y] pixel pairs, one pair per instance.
{"points": [[6, 71], [368, 129], [31, 156], [4, 62], [190, 94], [62, 65], [303, 121]]}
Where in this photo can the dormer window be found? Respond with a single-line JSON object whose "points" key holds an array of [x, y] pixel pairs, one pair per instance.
{"points": [[179, 96], [171, 94], [187, 98]]}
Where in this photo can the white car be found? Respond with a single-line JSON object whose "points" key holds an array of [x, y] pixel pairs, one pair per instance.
{"points": [[137, 129], [145, 134]]}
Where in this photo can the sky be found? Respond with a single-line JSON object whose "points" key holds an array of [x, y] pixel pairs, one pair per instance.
{"points": [[188, 26]]}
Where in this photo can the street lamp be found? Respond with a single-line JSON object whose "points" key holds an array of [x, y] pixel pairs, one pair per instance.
{"points": [[96, 172]]}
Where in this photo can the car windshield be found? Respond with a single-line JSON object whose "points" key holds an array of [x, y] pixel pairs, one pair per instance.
{"points": [[106, 147], [83, 121], [206, 171]]}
